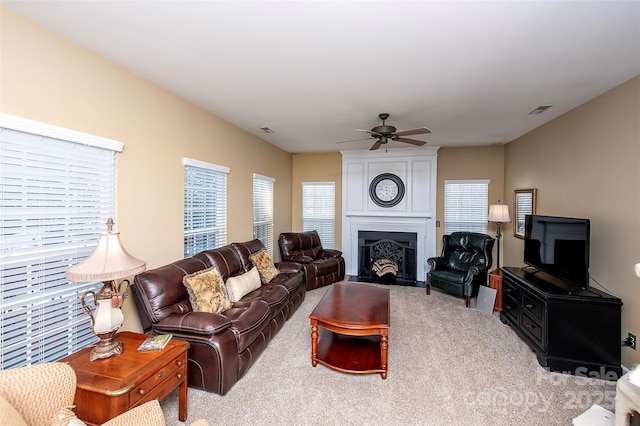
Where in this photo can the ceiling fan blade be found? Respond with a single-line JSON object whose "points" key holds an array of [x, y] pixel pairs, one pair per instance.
{"points": [[356, 140], [368, 131], [375, 146], [420, 131], [411, 141]]}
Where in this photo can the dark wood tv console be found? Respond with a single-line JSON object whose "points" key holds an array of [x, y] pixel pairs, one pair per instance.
{"points": [[572, 331]]}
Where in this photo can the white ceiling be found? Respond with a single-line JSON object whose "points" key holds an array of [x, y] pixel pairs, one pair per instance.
{"points": [[314, 71]]}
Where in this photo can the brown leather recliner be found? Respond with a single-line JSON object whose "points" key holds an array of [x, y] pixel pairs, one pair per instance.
{"points": [[321, 266]]}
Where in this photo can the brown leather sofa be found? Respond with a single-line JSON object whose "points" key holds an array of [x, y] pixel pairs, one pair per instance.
{"points": [[321, 266], [222, 346]]}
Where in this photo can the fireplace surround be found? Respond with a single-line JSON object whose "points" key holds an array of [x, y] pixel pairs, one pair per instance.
{"points": [[413, 213]]}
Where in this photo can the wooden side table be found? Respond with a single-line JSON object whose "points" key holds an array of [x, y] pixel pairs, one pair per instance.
{"points": [[108, 387], [495, 282]]}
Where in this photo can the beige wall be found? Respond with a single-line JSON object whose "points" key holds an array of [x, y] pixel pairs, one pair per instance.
{"points": [[322, 167], [486, 162], [45, 77], [586, 163]]}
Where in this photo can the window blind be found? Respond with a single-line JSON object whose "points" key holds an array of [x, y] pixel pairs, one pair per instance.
{"points": [[318, 210], [55, 198], [525, 206], [205, 206], [466, 205], [263, 210]]}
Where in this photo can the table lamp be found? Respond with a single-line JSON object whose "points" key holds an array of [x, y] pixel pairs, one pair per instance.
{"points": [[108, 263], [499, 214]]}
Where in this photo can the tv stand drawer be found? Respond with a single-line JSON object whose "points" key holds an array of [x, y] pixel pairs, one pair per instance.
{"points": [[534, 329], [532, 305]]}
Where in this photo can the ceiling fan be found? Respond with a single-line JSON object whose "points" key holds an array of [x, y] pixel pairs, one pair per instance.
{"points": [[384, 133]]}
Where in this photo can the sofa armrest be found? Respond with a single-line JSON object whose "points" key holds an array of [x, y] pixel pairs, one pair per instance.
{"points": [[288, 267], [471, 273], [437, 262], [197, 323], [52, 384], [331, 253]]}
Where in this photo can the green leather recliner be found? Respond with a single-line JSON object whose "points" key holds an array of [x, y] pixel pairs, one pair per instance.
{"points": [[464, 264]]}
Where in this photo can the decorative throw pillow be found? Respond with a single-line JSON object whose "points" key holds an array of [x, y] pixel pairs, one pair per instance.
{"points": [[264, 264], [207, 292], [9, 415], [238, 287]]}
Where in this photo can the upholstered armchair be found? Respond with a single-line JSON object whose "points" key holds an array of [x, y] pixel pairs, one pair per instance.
{"points": [[43, 394], [321, 266], [464, 264]]}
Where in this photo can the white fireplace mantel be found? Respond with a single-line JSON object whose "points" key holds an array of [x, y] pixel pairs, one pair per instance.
{"points": [[417, 167]]}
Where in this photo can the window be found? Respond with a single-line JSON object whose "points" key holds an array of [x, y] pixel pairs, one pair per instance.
{"points": [[205, 206], [465, 205], [318, 210], [57, 190], [263, 210]]}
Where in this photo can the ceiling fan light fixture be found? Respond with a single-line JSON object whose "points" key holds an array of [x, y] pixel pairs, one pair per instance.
{"points": [[385, 133]]}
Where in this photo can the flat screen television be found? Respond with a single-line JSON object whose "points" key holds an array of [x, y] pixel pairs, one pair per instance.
{"points": [[558, 246]]}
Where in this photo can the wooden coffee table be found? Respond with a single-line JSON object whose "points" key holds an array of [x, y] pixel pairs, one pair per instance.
{"points": [[355, 322]]}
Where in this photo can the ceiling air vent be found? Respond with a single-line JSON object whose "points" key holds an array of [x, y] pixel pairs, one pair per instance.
{"points": [[266, 129], [541, 109]]}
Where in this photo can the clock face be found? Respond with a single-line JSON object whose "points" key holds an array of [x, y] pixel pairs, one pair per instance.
{"points": [[386, 190]]}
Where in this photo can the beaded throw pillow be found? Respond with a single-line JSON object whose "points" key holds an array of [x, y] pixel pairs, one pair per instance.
{"points": [[207, 292], [66, 417], [266, 268]]}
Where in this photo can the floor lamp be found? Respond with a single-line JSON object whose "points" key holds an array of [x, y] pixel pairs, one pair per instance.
{"points": [[499, 214]]}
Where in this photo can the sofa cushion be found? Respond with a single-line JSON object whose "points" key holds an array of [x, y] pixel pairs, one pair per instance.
{"points": [[276, 296], [9, 415], [207, 292], [248, 321], [457, 277], [239, 286], [266, 268]]}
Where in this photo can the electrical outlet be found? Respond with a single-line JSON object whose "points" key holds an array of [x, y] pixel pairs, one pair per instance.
{"points": [[632, 341]]}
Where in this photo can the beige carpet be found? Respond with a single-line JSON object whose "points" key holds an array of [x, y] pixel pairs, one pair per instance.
{"points": [[448, 365]]}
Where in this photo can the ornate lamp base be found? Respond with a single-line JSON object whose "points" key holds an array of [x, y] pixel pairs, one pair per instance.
{"points": [[106, 347]]}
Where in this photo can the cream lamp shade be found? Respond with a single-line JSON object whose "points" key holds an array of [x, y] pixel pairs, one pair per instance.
{"points": [[109, 261], [499, 213]]}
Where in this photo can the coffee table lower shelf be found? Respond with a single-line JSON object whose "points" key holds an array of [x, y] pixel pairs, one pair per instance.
{"points": [[350, 354]]}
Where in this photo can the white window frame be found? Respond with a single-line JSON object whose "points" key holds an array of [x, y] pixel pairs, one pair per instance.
{"points": [[205, 206], [319, 211], [263, 190], [57, 190], [466, 205]]}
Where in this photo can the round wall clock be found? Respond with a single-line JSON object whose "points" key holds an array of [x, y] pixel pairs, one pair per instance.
{"points": [[386, 190]]}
